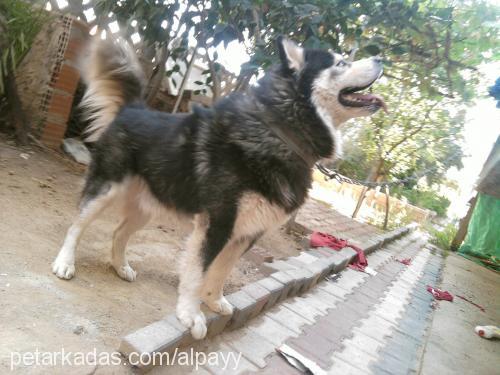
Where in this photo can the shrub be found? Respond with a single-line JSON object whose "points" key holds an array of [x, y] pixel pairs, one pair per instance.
{"points": [[443, 235]]}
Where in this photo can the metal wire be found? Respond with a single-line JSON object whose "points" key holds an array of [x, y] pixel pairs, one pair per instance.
{"points": [[332, 174]]}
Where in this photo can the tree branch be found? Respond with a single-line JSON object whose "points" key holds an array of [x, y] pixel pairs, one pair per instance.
{"points": [[414, 132]]}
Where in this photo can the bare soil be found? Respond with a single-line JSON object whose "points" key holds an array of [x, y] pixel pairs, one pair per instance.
{"points": [[39, 191]]}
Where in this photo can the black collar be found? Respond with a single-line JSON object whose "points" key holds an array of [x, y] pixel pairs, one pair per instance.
{"points": [[290, 138]]}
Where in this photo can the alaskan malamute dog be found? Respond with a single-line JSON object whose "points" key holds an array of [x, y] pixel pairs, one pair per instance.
{"points": [[238, 169]]}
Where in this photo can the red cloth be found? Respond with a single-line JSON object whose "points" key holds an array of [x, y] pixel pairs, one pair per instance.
{"points": [[440, 294], [319, 239], [406, 261]]}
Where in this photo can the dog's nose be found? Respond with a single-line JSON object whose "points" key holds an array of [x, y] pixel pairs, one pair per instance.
{"points": [[377, 59]]}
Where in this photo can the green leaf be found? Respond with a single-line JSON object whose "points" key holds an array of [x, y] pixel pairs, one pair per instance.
{"points": [[5, 57], [13, 58], [372, 49], [23, 42], [398, 50]]}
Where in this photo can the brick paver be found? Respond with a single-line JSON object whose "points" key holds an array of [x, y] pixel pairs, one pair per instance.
{"points": [[354, 324]]}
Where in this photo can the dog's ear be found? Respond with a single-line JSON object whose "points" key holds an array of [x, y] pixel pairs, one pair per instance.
{"points": [[291, 55]]}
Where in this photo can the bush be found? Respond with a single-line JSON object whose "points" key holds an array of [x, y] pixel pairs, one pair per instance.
{"points": [[442, 236], [429, 199]]}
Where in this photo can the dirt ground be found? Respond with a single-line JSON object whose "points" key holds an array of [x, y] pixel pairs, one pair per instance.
{"points": [[39, 192]]}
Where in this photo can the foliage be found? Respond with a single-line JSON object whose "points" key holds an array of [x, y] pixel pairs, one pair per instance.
{"points": [[424, 198], [398, 217], [426, 44], [442, 236], [420, 138], [21, 23]]}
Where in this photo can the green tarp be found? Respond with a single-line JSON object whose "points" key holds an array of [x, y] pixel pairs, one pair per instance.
{"points": [[483, 235]]}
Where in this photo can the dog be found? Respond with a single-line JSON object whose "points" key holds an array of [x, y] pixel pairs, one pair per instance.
{"points": [[238, 169]]}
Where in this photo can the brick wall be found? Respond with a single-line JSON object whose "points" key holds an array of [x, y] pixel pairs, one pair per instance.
{"points": [[65, 77], [48, 77]]}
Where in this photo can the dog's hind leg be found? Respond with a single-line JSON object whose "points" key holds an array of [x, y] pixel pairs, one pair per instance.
{"points": [[92, 205], [134, 219]]}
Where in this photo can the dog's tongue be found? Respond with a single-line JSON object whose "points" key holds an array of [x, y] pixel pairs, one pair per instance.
{"points": [[369, 98]]}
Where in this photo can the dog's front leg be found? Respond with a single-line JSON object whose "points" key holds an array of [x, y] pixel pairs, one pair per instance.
{"points": [[217, 273], [219, 270], [190, 275], [210, 235]]}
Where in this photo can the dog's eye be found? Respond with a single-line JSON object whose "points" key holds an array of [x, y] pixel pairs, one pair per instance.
{"points": [[341, 63]]}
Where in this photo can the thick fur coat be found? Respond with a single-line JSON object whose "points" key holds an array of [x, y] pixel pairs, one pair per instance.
{"points": [[227, 166]]}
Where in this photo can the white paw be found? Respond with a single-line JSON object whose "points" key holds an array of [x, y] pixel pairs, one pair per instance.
{"points": [[62, 269], [126, 272], [221, 306], [195, 320]]}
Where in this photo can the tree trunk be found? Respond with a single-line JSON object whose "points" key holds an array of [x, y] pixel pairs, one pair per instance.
{"points": [[387, 207], [373, 176], [16, 113], [185, 79], [463, 226], [360, 201], [157, 76], [243, 81]]}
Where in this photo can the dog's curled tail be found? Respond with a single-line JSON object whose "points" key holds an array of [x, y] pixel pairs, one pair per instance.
{"points": [[114, 77]]}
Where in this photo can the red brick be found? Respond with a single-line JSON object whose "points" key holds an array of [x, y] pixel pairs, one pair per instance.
{"points": [[53, 142], [55, 109], [79, 31], [73, 50], [68, 78], [61, 104], [52, 139], [53, 134], [66, 85], [72, 55], [57, 119], [53, 128]]}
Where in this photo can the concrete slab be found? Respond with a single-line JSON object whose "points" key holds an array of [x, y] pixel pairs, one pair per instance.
{"points": [[452, 346], [288, 318], [273, 330], [244, 341]]}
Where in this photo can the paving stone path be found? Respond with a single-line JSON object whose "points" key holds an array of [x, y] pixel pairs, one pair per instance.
{"points": [[355, 324]]}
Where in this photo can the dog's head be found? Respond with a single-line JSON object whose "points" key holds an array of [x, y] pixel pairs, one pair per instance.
{"points": [[332, 83]]}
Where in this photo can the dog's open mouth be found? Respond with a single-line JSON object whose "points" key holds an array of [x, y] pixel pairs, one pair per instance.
{"points": [[351, 97]]}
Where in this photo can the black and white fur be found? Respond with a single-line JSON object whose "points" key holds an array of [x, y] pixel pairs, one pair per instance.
{"points": [[223, 166]]}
